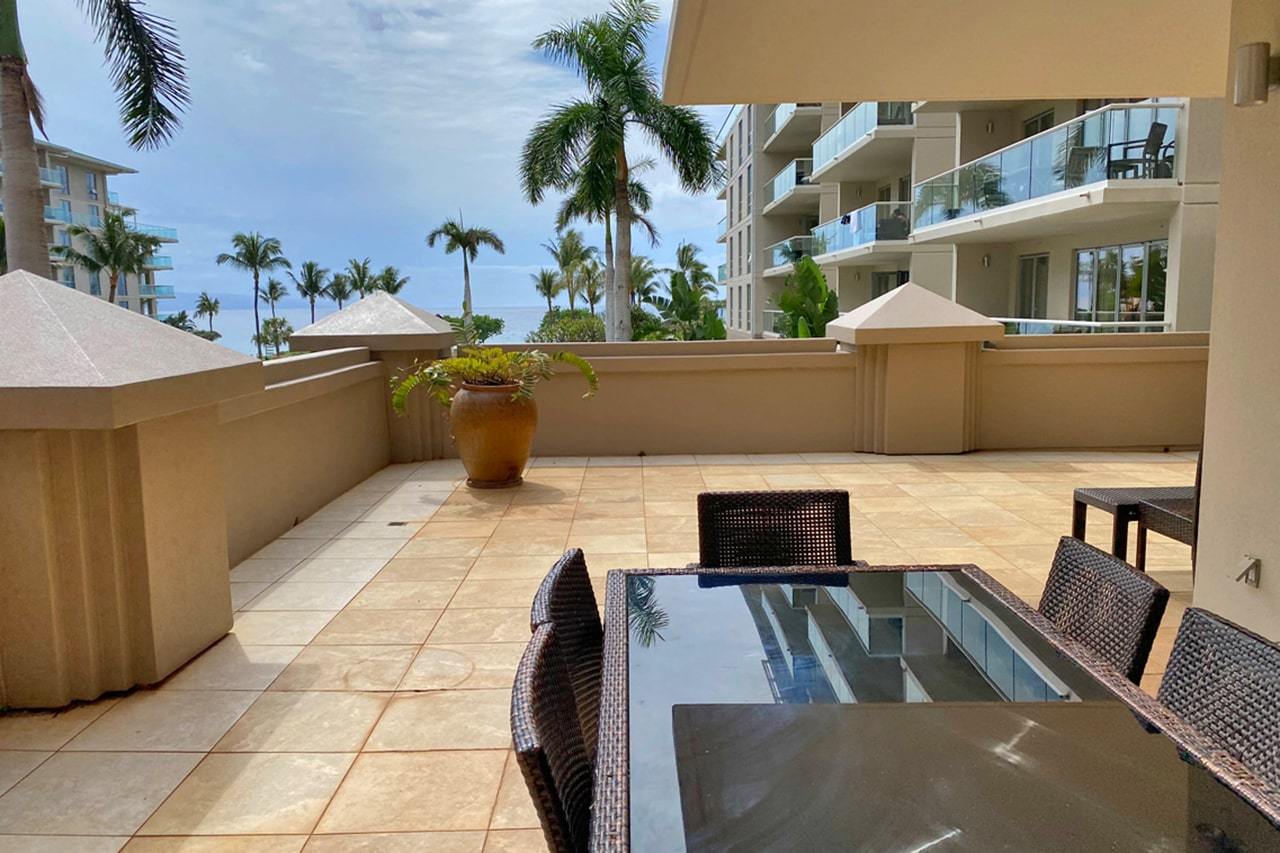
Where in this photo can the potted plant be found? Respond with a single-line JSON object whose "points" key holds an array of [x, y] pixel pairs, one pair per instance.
{"points": [[489, 394]]}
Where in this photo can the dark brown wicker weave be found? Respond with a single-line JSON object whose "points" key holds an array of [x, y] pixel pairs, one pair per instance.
{"points": [[567, 600], [1224, 681], [1100, 601], [781, 528], [610, 819], [1122, 504], [1172, 517], [548, 744]]}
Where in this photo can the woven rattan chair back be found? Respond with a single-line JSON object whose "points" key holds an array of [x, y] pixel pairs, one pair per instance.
{"points": [[1224, 682], [789, 528], [566, 600], [548, 743], [1100, 601]]}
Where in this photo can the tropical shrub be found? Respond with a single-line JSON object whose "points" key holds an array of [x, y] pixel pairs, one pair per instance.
{"points": [[561, 325], [484, 326], [489, 366], [807, 303], [688, 312], [274, 335], [646, 326]]}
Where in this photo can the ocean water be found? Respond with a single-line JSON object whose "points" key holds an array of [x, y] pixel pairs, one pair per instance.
{"points": [[236, 324]]}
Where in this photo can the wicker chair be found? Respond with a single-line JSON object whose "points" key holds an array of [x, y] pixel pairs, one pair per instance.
{"points": [[794, 528], [566, 600], [1100, 601], [1224, 682], [548, 743]]}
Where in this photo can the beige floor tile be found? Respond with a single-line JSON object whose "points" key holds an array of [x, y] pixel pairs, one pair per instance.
{"points": [[444, 719], [360, 548], [404, 595], [244, 592], [622, 543], [514, 809], [482, 625], [280, 627], [164, 721], [398, 842], [600, 564], [532, 543], [15, 765], [666, 525], [61, 844], [333, 570], [379, 530], [589, 509], [605, 527], [304, 595], [672, 542], [983, 558], [481, 592], [929, 537], [425, 569], [296, 549], [219, 844], [416, 791], [470, 529], [378, 627], [463, 666], [48, 730], [305, 722], [669, 560], [507, 567], [435, 548], [238, 793], [262, 570], [92, 793], [549, 511], [233, 665], [346, 668], [1023, 534], [663, 508], [516, 841], [899, 520], [469, 512], [316, 528]]}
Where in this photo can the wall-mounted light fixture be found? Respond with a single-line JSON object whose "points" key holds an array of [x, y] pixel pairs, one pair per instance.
{"points": [[1256, 72], [986, 260], [991, 127]]}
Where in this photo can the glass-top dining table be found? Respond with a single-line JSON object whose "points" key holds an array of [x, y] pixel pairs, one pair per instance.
{"points": [[882, 708]]}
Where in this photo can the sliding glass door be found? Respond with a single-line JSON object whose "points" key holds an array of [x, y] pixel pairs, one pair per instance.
{"points": [[1122, 283]]}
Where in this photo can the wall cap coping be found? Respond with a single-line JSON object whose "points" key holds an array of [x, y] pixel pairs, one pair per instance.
{"points": [[910, 314], [69, 360], [380, 322]]}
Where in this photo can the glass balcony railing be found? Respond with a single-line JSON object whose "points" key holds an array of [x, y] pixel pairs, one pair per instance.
{"points": [[87, 220], [721, 273], [161, 231], [159, 262], [775, 321], [1117, 142], [789, 251], [881, 220], [794, 174], [1036, 326], [156, 291], [783, 113], [47, 176], [57, 214], [857, 123]]}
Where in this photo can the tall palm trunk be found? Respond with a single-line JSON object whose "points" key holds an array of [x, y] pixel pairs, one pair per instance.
{"points": [[466, 291], [610, 310], [257, 324], [113, 284], [313, 309], [26, 239], [621, 287], [210, 322]]}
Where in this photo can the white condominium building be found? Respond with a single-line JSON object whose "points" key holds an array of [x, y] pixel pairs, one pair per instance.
{"points": [[1056, 216]]}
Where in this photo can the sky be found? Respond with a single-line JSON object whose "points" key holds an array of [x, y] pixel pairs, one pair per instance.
{"points": [[347, 129]]}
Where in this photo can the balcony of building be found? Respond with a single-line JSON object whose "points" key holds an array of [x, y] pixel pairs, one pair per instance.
{"points": [[1114, 164], [722, 229], [870, 141], [792, 191], [792, 128], [780, 258], [158, 262], [872, 234], [156, 291], [722, 273]]}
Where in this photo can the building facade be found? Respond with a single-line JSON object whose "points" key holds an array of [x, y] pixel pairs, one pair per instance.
{"points": [[1056, 216], [77, 193]]}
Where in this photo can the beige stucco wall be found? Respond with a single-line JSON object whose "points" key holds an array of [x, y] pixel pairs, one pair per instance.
{"points": [[1241, 490], [319, 428], [1091, 397]]}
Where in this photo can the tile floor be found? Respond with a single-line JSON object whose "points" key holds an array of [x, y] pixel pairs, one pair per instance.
{"points": [[362, 701]]}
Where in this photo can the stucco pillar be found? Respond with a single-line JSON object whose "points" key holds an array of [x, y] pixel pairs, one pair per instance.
{"points": [[401, 336], [113, 535], [916, 378]]}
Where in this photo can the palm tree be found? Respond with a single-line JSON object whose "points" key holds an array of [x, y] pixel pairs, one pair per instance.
{"points": [[113, 248], [273, 293], [644, 285], [180, 320], [570, 252], [147, 73], [255, 254], [339, 289], [311, 283], [695, 271], [207, 306], [608, 52], [458, 238], [390, 280], [592, 277], [548, 284], [361, 277]]}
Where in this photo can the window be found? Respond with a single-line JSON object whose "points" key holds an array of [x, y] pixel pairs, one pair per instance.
{"points": [[1033, 286], [1037, 124], [125, 304], [729, 298], [904, 188], [885, 193], [122, 288], [91, 183], [1122, 283], [749, 208], [748, 248], [730, 220], [95, 215], [739, 252], [748, 306], [883, 282], [738, 133], [748, 128], [64, 178], [95, 284], [64, 239], [67, 275], [739, 196]]}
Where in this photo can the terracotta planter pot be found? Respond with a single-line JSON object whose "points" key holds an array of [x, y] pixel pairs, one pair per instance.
{"points": [[493, 433]]}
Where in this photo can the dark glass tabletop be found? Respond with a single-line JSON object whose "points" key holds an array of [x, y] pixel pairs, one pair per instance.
{"points": [[888, 711]]}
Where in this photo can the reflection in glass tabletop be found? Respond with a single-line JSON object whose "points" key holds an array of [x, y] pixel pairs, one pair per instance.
{"points": [[872, 638]]}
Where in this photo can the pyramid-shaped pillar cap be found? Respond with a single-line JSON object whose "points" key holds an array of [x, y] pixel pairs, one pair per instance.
{"points": [[380, 321], [69, 360], [911, 314]]}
